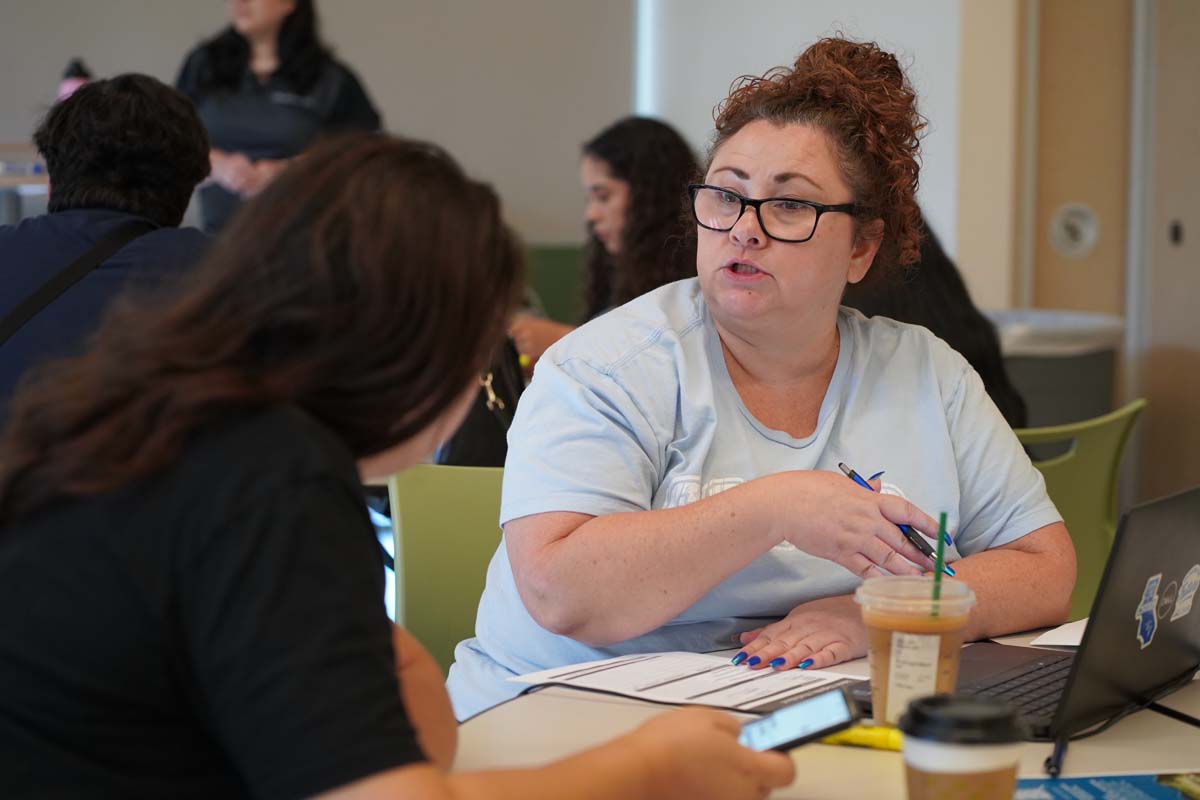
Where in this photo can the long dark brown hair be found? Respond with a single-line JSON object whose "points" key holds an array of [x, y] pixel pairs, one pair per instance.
{"points": [[366, 286], [656, 247]]}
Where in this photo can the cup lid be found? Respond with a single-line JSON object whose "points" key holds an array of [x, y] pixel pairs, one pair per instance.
{"points": [[961, 719]]}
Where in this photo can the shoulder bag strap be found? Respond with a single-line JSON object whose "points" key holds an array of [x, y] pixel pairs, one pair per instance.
{"points": [[50, 291]]}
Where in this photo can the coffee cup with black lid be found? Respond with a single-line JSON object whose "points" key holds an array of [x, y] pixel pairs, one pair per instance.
{"points": [[957, 746]]}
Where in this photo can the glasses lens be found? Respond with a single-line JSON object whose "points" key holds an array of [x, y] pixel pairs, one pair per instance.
{"points": [[717, 209], [789, 219]]}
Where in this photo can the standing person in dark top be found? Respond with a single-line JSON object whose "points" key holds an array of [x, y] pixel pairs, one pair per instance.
{"points": [[124, 156], [267, 87], [635, 173], [932, 293], [191, 594]]}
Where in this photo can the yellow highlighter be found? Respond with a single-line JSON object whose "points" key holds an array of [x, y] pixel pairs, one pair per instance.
{"points": [[877, 737]]}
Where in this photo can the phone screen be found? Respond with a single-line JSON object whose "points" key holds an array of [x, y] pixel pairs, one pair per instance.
{"points": [[816, 716]]}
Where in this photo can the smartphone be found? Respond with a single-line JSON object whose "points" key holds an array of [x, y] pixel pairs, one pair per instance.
{"points": [[811, 718]]}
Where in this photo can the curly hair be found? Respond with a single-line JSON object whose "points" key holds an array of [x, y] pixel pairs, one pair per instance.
{"points": [[129, 143], [860, 97], [302, 54], [367, 286], [656, 249]]}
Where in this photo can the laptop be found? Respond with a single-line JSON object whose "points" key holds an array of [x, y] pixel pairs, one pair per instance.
{"points": [[1142, 639]]}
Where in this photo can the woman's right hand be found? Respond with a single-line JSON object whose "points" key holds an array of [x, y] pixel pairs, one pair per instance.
{"points": [[695, 753], [827, 515], [232, 171]]}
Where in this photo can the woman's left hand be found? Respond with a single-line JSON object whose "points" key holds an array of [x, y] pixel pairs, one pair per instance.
{"points": [[818, 634]]}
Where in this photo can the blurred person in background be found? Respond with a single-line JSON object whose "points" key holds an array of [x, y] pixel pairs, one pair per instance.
{"points": [[124, 156], [932, 293], [267, 87], [75, 75], [635, 173]]}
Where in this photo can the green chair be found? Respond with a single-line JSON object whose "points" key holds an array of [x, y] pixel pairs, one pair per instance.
{"points": [[1082, 482], [446, 527], [556, 275]]}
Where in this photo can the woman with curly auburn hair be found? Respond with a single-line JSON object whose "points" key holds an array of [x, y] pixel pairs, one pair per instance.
{"points": [[191, 594], [672, 480], [635, 173]]}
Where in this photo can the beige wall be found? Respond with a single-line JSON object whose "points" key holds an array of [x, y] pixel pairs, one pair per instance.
{"points": [[1084, 51], [988, 153], [1170, 445], [510, 88]]}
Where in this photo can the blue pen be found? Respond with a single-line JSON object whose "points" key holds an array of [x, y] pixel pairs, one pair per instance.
{"points": [[914, 537]]}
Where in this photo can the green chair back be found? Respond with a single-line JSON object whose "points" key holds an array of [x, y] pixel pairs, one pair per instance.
{"points": [[446, 526], [556, 275], [1083, 483]]}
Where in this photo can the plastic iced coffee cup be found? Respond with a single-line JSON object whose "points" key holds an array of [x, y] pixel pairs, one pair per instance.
{"points": [[957, 746], [913, 641]]}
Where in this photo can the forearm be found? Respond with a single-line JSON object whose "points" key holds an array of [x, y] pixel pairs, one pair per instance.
{"points": [[423, 692], [621, 575], [614, 770], [610, 771], [1018, 589]]}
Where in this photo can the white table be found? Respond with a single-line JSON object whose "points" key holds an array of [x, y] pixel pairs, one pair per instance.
{"points": [[556, 722]]}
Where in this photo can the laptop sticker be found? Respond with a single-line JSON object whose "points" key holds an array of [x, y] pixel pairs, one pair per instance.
{"points": [[1187, 592], [1166, 600], [1147, 611]]}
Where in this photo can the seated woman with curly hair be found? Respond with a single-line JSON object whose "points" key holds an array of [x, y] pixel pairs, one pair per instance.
{"points": [[672, 481]]}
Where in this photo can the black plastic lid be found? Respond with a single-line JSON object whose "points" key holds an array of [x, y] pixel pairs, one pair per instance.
{"points": [[961, 719]]}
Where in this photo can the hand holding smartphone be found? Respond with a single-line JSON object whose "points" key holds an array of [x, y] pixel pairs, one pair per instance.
{"points": [[792, 726]]}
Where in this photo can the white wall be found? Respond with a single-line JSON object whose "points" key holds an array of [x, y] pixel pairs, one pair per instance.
{"points": [[510, 88], [691, 50]]}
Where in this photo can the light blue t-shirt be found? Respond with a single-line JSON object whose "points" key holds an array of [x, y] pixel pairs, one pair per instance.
{"points": [[636, 411]]}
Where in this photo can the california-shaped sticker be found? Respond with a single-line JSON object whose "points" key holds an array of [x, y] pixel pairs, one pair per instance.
{"points": [[1147, 611], [1187, 593]]}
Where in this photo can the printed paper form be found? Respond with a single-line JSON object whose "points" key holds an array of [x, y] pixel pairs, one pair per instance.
{"points": [[689, 679]]}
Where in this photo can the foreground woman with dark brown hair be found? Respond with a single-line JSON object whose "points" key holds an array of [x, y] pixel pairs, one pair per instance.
{"points": [[190, 591]]}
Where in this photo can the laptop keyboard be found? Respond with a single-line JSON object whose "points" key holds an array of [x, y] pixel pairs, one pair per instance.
{"points": [[1033, 689]]}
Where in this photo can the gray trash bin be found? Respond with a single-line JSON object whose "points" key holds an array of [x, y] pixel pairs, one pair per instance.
{"points": [[1062, 362]]}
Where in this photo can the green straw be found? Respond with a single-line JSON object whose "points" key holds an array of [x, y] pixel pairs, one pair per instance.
{"points": [[940, 562]]}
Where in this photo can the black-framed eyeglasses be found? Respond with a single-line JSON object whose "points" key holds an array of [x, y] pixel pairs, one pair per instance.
{"points": [[784, 219]]}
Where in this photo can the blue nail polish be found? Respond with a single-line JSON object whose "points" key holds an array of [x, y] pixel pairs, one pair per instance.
{"points": [[776, 662], [949, 541], [949, 570], [754, 661], [739, 658], [805, 664], [876, 475]]}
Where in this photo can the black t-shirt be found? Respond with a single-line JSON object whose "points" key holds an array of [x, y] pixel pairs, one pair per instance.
{"points": [[216, 630], [269, 120]]}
